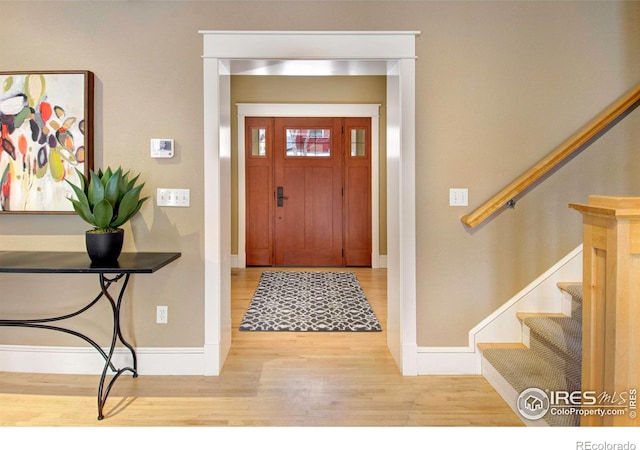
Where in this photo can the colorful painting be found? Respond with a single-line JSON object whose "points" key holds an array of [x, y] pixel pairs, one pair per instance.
{"points": [[46, 121]]}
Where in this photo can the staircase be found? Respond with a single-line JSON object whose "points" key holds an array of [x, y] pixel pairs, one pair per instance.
{"points": [[549, 357]]}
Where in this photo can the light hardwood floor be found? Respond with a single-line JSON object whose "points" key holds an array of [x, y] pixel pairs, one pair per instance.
{"points": [[269, 379]]}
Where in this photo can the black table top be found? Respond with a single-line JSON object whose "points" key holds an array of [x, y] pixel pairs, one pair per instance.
{"points": [[79, 262]]}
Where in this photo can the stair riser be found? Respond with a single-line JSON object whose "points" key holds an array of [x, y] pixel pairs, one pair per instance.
{"points": [[572, 307], [575, 294], [554, 354], [550, 346], [576, 309], [568, 364]]}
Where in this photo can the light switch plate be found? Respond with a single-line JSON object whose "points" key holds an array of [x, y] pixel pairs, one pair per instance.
{"points": [[173, 197], [458, 197]]}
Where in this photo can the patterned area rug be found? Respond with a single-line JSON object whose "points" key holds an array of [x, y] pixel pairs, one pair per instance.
{"points": [[309, 301]]}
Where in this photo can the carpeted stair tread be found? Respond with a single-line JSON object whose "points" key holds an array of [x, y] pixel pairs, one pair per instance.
{"points": [[560, 333], [524, 368], [574, 289]]}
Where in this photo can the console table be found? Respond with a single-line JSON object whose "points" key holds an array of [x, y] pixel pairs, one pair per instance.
{"points": [[79, 262]]}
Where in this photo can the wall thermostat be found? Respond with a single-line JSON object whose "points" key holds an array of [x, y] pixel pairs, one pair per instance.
{"points": [[162, 148]]}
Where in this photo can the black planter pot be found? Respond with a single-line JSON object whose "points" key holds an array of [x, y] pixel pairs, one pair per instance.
{"points": [[104, 248]]}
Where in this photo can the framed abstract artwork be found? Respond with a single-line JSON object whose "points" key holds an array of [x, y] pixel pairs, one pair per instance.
{"points": [[46, 132]]}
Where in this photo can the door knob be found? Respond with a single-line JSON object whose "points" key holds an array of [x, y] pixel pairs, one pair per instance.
{"points": [[280, 196]]}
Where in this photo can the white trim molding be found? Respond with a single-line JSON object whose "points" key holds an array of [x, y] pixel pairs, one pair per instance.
{"points": [[86, 361], [390, 53]]}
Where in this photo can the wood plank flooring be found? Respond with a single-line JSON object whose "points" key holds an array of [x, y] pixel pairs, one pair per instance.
{"points": [[269, 379]]}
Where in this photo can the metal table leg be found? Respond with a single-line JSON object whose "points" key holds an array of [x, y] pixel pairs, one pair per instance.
{"points": [[117, 335], [105, 283]]}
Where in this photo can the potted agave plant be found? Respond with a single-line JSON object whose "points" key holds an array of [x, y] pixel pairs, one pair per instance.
{"points": [[106, 200]]}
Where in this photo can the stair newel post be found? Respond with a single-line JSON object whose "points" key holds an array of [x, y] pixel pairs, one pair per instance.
{"points": [[611, 312]]}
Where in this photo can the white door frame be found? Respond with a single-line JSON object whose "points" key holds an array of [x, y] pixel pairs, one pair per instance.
{"points": [[310, 110], [312, 53]]}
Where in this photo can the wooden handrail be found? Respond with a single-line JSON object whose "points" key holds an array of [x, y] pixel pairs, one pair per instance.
{"points": [[567, 149]]}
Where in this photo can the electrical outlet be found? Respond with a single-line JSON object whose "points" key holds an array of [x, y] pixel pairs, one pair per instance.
{"points": [[162, 314]]}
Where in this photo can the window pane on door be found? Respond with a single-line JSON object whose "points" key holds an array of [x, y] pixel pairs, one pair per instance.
{"points": [[258, 142], [308, 142], [358, 142]]}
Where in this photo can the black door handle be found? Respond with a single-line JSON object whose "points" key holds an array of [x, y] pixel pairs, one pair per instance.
{"points": [[280, 196]]}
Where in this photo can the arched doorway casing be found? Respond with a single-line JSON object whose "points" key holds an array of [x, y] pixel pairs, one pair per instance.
{"points": [[311, 53]]}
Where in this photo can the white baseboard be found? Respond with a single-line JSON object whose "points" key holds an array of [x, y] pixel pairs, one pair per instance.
{"points": [[86, 361], [446, 361], [235, 262]]}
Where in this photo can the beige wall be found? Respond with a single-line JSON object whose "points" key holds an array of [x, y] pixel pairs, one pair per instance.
{"points": [[498, 85]]}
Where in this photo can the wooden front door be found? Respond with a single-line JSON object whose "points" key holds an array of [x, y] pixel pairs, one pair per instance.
{"points": [[308, 181], [308, 192]]}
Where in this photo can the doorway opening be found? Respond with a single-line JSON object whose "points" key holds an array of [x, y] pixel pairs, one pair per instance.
{"points": [[390, 53], [308, 191]]}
